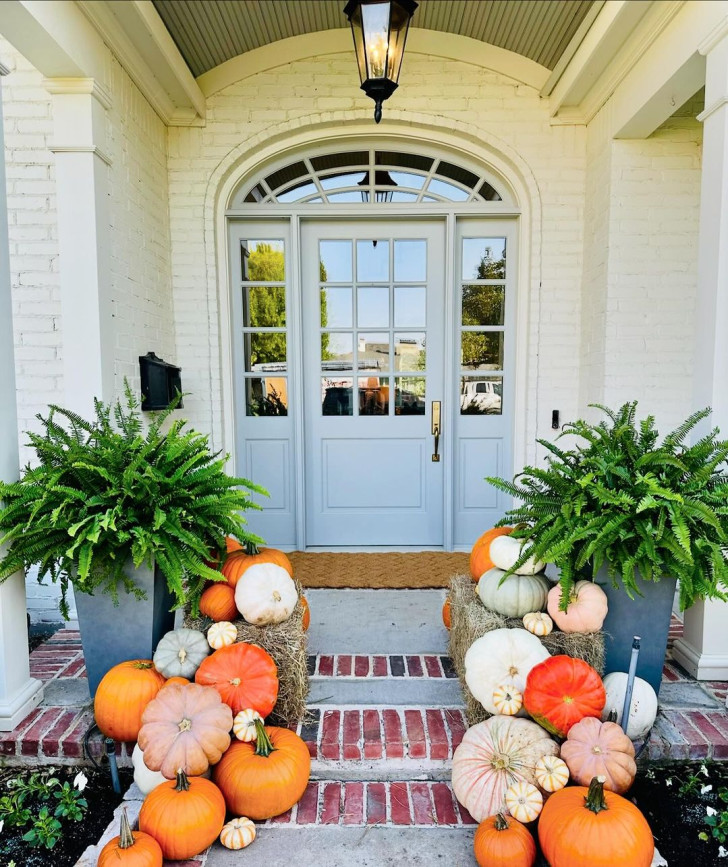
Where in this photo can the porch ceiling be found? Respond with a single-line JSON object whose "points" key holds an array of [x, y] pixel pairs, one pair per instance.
{"points": [[209, 32]]}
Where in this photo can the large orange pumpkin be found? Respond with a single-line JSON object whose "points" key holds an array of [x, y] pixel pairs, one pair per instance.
{"points": [[503, 842], [124, 692], [218, 602], [264, 778], [244, 674], [130, 848], [580, 826], [238, 561], [480, 561], [184, 816], [562, 690]]}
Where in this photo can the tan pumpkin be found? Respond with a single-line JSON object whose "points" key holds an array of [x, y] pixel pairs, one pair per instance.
{"points": [[538, 623], [244, 727], [222, 634], [515, 595], [507, 699], [238, 833], [600, 749], [586, 611], [265, 594], [552, 773], [524, 801], [493, 755]]}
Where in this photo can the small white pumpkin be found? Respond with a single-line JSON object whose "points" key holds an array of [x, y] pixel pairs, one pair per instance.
{"points": [[524, 801], [505, 552], [516, 596], [538, 623], [265, 594], [552, 773], [244, 727], [643, 710], [222, 634], [180, 653], [238, 833], [507, 699], [145, 779]]}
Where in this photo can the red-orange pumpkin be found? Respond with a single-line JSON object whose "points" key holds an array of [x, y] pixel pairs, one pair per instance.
{"points": [[238, 561], [184, 816], [244, 674], [218, 602], [306, 622], [480, 561], [562, 690], [264, 778], [130, 849], [447, 613], [501, 841], [125, 690]]}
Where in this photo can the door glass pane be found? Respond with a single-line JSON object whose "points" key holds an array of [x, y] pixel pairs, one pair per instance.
{"points": [[484, 258], [372, 261], [263, 261], [372, 306], [409, 395], [373, 395], [447, 191], [336, 396], [373, 351], [266, 396], [409, 351], [336, 309], [482, 350], [335, 261], [265, 349], [337, 351], [410, 304], [410, 261], [483, 305], [481, 395], [264, 306]]}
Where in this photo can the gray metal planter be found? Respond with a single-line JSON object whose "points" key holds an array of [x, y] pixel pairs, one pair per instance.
{"points": [[130, 630], [647, 616]]}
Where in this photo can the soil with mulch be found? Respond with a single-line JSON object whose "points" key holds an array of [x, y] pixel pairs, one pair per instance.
{"points": [[77, 836]]}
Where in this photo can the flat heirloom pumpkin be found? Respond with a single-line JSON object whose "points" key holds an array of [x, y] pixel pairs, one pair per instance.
{"points": [[600, 749], [265, 594], [493, 755], [516, 595], [179, 653], [586, 610], [501, 656]]}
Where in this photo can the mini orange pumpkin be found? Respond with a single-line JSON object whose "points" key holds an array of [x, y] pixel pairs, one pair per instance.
{"points": [[238, 561], [124, 692], [130, 848], [218, 602], [447, 613], [306, 621], [501, 841], [480, 561]]}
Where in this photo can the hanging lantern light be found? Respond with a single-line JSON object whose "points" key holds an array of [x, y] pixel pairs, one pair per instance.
{"points": [[379, 28]]}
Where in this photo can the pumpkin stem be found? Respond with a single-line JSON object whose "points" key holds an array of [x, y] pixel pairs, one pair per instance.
{"points": [[501, 823], [594, 799], [183, 784], [263, 746], [251, 548], [126, 838]]}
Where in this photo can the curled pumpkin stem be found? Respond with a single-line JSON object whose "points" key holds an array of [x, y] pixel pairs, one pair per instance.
{"points": [[126, 838], [501, 823], [263, 745], [594, 799]]}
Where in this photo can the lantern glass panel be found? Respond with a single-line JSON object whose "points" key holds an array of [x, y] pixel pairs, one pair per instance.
{"points": [[375, 24]]}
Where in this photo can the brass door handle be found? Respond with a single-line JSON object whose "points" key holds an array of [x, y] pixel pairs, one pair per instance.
{"points": [[436, 429]]}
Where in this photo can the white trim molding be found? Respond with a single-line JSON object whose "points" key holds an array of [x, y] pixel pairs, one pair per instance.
{"points": [[79, 85], [81, 149]]}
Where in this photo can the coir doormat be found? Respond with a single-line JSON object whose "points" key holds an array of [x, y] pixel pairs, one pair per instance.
{"points": [[388, 570]]}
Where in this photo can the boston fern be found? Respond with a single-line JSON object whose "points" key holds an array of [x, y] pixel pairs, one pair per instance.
{"points": [[105, 491], [623, 498]]}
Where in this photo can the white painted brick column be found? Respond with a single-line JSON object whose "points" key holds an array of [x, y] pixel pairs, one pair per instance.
{"points": [[19, 692], [703, 650]]}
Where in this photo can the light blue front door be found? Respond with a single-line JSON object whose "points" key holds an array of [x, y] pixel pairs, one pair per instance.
{"points": [[373, 337]]}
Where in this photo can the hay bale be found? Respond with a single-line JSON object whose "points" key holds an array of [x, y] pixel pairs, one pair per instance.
{"points": [[471, 620], [286, 643]]}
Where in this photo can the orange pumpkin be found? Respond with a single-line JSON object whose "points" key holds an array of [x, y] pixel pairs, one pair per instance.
{"points": [[580, 826], [171, 681], [562, 690], [600, 749], [503, 842], [232, 544], [184, 816], [264, 778], [480, 561], [244, 674], [218, 602], [238, 561], [447, 613], [124, 692], [130, 848], [306, 622]]}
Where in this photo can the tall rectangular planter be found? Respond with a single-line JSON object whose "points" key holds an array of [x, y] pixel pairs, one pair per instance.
{"points": [[111, 634], [647, 616]]}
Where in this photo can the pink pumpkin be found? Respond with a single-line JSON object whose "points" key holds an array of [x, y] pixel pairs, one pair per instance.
{"points": [[586, 611]]}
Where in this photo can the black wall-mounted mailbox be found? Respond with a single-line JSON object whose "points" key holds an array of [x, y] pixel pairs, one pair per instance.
{"points": [[160, 382]]}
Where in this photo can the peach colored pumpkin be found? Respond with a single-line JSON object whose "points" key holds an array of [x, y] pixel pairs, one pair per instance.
{"points": [[595, 749], [587, 607]]}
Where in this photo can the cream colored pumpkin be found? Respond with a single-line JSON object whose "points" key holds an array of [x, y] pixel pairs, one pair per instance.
{"points": [[524, 801], [180, 652], [501, 656], [507, 699], [505, 552], [238, 833], [552, 773], [265, 594], [587, 607], [493, 755], [145, 779], [244, 727], [538, 623], [222, 634], [643, 710], [516, 596]]}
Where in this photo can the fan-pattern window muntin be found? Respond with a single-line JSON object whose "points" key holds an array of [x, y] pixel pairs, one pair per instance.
{"points": [[372, 176]]}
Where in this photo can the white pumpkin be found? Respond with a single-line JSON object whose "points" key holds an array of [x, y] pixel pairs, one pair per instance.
{"points": [[516, 596], [643, 710], [244, 725], [145, 778], [501, 656], [238, 833], [180, 652], [265, 594], [222, 634], [505, 552], [538, 623]]}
